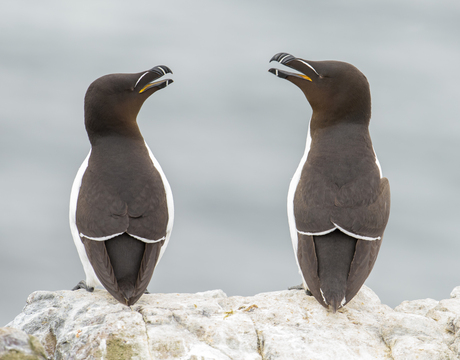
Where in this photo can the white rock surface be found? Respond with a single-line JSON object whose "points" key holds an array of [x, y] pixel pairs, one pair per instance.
{"points": [[278, 325], [16, 344]]}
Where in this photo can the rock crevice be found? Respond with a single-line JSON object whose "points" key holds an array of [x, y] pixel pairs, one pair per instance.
{"points": [[146, 333]]}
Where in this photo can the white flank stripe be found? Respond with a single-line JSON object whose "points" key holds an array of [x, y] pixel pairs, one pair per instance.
{"points": [[101, 238], [108, 237], [317, 233], [311, 67], [146, 240], [349, 233], [356, 236], [141, 78]]}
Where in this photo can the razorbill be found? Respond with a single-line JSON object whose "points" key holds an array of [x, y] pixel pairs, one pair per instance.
{"points": [[338, 200], [121, 205]]}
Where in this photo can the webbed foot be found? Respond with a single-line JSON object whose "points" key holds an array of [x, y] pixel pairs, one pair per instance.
{"points": [[300, 287], [296, 287], [82, 285]]}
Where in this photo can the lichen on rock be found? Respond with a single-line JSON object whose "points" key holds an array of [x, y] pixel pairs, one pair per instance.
{"points": [[17, 345]]}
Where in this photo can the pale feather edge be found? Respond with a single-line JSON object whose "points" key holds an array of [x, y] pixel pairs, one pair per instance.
{"points": [[108, 237]]}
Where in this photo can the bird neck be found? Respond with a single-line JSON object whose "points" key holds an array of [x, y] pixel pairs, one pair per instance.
{"points": [[116, 127], [329, 118], [338, 135]]}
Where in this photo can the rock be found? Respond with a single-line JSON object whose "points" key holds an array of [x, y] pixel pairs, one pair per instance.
{"points": [[210, 325], [419, 307], [16, 345], [455, 293]]}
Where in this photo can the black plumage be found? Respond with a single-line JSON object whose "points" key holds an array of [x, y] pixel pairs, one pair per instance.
{"points": [[338, 202], [121, 203]]}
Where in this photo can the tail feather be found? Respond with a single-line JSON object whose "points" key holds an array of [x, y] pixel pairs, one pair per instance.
{"points": [[125, 253], [123, 265], [149, 261], [335, 253]]}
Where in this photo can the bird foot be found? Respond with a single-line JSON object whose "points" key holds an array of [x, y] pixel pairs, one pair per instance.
{"points": [[82, 285], [146, 291], [300, 287], [296, 287]]}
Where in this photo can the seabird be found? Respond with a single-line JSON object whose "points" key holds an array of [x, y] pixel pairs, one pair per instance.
{"points": [[121, 205], [338, 201]]}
